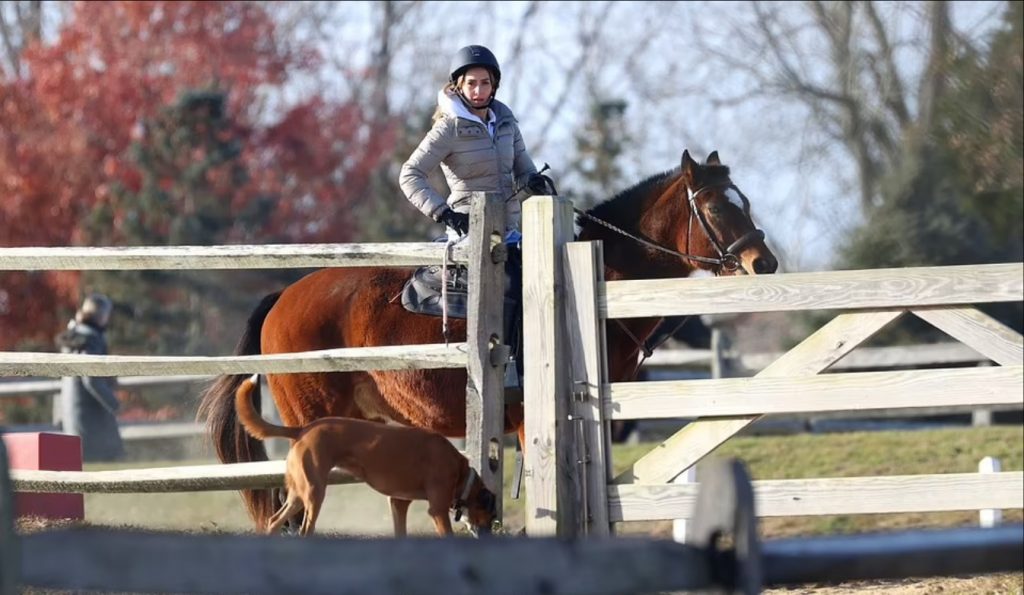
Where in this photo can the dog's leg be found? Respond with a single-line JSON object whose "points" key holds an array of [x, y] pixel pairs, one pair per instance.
{"points": [[438, 502], [399, 514], [314, 498], [442, 523]]}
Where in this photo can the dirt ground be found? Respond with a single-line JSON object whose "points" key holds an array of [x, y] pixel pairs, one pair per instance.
{"points": [[1011, 584]]}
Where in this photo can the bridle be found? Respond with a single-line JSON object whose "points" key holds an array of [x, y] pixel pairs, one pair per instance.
{"points": [[727, 259], [726, 256]]}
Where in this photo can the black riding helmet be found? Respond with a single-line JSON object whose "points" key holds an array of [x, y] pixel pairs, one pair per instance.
{"points": [[475, 55]]}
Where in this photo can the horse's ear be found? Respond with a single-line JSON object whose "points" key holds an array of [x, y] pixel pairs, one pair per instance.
{"points": [[713, 159], [688, 165]]}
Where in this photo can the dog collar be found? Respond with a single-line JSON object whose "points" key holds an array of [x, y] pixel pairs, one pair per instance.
{"points": [[460, 503], [469, 484]]}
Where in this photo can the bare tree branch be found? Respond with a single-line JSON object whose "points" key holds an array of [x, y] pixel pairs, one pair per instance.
{"points": [[587, 38], [934, 82], [838, 23], [11, 52], [792, 79], [380, 62], [888, 80], [515, 55]]}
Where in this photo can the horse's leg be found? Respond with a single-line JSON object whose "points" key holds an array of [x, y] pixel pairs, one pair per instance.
{"points": [[399, 514], [290, 509]]}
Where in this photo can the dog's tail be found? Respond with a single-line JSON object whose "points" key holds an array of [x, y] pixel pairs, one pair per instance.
{"points": [[252, 421]]}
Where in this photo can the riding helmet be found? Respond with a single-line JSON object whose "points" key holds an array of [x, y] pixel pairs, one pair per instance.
{"points": [[95, 309], [474, 55]]}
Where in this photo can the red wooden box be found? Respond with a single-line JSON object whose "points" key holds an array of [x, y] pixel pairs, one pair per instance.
{"points": [[51, 452]]}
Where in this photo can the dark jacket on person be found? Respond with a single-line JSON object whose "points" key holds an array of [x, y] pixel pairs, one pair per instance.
{"points": [[88, 403]]}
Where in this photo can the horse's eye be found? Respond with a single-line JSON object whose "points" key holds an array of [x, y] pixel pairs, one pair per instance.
{"points": [[715, 209]]}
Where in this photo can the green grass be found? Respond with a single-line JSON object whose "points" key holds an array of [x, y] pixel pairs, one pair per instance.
{"points": [[859, 454], [358, 510]]}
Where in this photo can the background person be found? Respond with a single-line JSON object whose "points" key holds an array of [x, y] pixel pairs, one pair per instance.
{"points": [[88, 403]]}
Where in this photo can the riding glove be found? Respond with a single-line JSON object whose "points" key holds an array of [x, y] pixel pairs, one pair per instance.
{"points": [[539, 184], [457, 221]]}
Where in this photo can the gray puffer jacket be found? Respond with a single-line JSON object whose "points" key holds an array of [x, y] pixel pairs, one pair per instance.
{"points": [[88, 403], [472, 161]]}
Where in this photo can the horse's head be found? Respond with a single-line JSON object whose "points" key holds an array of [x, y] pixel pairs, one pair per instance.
{"points": [[719, 227]]}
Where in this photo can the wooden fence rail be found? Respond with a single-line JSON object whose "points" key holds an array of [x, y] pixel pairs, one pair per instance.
{"points": [[831, 496], [279, 256], [831, 290], [191, 478], [860, 391], [396, 357], [45, 388]]}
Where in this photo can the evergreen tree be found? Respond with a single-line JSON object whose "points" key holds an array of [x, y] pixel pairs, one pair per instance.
{"points": [[189, 162], [599, 145]]}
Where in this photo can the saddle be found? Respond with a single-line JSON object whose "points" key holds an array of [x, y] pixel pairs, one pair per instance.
{"points": [[422, 295]]}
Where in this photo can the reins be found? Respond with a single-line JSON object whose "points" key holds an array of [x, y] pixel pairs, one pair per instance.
{"points": [[648, 243], [727, 258]]}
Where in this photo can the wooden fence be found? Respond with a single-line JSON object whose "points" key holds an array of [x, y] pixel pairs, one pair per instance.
{"points": [[568, 402], [482, 252], [724, 554], [570, 488]]}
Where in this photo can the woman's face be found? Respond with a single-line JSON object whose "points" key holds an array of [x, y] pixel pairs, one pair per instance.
{"points": [[477, 87]]}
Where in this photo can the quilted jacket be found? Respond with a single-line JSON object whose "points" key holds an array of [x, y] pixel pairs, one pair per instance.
{"points": [[471, 159]]}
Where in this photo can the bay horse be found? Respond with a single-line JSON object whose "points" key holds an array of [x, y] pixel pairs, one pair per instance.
{"points": [[647, 231]]}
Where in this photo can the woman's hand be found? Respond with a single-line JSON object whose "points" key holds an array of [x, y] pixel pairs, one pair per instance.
{"points": [[457, 221], [539, 184]]}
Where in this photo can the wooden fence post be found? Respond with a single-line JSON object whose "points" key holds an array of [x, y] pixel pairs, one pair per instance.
{"points": [[485, 393], [584, 269], [10, 554], [989, 517], [550, 501]]}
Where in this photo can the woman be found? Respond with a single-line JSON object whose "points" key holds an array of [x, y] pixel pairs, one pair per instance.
{"points": [[476, 141], [88, 403]]}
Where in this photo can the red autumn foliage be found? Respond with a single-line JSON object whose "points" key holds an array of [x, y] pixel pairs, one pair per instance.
{"points": [[69, 122]]}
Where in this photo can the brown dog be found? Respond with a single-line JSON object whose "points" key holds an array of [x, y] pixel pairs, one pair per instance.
{"points": [[400, 462]]}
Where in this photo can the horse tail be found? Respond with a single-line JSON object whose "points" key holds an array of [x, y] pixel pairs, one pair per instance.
{"points": [[252, 421], [217, 407]]}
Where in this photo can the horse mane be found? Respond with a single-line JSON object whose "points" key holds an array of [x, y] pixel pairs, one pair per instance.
{"points": [[625, 208]]}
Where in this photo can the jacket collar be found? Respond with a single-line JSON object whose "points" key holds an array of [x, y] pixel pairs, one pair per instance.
{"points": [[83, 327], [454, 107]]}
